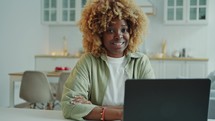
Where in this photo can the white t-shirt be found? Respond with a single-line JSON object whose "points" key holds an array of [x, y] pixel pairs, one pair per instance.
{"points": [[115, 90]]}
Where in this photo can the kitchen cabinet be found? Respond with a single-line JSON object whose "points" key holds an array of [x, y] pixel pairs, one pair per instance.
{"points": [[167, 67], [147, 7], [48, 62], [185, 11], [184, 68], [61, 11], [196, 69]]}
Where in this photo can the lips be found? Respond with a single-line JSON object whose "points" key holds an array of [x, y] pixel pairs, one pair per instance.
{"points": [[118, 44]]}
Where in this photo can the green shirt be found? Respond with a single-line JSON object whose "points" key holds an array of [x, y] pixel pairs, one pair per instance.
{"points": [[89, 78]]}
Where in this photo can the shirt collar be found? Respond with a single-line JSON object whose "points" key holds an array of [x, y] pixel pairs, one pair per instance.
{"points": [[129, 55], [135, 55]]}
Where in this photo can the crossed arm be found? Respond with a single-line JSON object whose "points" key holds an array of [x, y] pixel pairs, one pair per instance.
{"points": [[111, 112]]}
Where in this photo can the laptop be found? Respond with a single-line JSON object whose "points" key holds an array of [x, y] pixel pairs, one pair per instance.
{"points": [[166, 99]]}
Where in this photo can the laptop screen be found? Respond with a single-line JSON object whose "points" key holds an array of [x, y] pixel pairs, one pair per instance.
{"points": [[166, 99]]}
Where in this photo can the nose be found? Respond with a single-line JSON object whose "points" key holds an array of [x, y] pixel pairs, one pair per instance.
{"points": [[118, 35]]}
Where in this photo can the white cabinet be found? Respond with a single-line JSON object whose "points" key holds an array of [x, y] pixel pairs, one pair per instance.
{"points": [[61, 11], [185, 11], [49, 11], [157, 68], [147, 6], [48, 63], [168, 68], [179, 68], [174, 69], [196, 69]]}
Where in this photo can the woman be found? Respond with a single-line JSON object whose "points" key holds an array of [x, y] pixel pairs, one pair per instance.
{"points": [[112, 31]]}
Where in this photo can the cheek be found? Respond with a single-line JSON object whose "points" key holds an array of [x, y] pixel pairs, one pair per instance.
{"points": [[106, 38], [126, 37]]}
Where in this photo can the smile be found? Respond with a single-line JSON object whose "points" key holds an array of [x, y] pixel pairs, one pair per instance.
{"points": [[118, 43]]}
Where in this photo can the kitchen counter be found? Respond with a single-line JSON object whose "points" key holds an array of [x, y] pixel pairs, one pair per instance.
{"points": [[179, 58], [165, 67], [151, 58], [57, 56]]}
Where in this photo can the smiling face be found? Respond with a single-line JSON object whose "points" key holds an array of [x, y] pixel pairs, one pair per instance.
{"points": [[116, 38]]}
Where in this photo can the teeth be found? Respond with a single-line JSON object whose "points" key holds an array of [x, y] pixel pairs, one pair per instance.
{"points": [[118, 43]]}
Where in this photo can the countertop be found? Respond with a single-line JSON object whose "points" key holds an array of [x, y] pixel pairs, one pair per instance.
{"points": [[151, 58], [179, 58], [57, 56]]}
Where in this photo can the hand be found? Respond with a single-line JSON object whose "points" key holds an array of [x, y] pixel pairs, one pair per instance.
{"points": [[80, 99]]}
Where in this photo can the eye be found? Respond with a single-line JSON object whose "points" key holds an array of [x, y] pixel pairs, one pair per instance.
{"points": [[124, 30], [110, 30]]}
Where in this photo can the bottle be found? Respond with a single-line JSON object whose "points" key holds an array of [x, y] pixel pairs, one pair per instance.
{"points": [[183, 52], [65, 47], [164, 48]]}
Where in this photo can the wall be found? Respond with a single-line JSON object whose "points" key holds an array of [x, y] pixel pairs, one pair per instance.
{"points": [[190, 37], [177, 36], [21, 37], [72, 34], [211, 38], [196, 39]]}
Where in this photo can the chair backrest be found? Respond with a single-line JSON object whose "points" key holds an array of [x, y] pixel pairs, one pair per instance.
{"points": [[63, 77], [211, 76], [35, 87]]}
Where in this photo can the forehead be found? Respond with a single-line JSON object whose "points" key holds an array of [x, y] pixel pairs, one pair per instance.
{"points": [[117, 22]]}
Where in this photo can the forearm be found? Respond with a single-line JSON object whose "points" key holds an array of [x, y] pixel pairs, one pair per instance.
{"points": [[114, 107], [111, 113]]}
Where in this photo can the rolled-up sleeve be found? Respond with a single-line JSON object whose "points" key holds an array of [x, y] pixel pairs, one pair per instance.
{"points": [[77, 84]]}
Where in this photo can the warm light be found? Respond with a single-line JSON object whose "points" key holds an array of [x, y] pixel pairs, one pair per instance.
{"points": [[53, 53]]}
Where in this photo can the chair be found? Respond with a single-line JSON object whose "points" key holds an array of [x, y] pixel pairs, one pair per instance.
{"points": [[211, 110], [211, 76], [35, 88], [63, 77]]}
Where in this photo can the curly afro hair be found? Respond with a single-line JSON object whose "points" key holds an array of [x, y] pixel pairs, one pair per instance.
{"points": [[96, 16]]}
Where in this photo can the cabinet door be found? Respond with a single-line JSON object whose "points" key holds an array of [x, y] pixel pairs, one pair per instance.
{"points": [[174, 11], [157, 68], [197, 11], [196, 69], [68, 11], [49, 11], [174, 69], [61, 11], [185, 11], [49, 64]]}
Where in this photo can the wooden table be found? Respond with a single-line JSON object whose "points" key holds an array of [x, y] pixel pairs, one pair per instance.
{"points": [[16, 77]]}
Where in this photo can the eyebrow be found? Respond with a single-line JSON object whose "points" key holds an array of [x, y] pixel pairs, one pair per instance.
{"points": [[111, 25]]}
